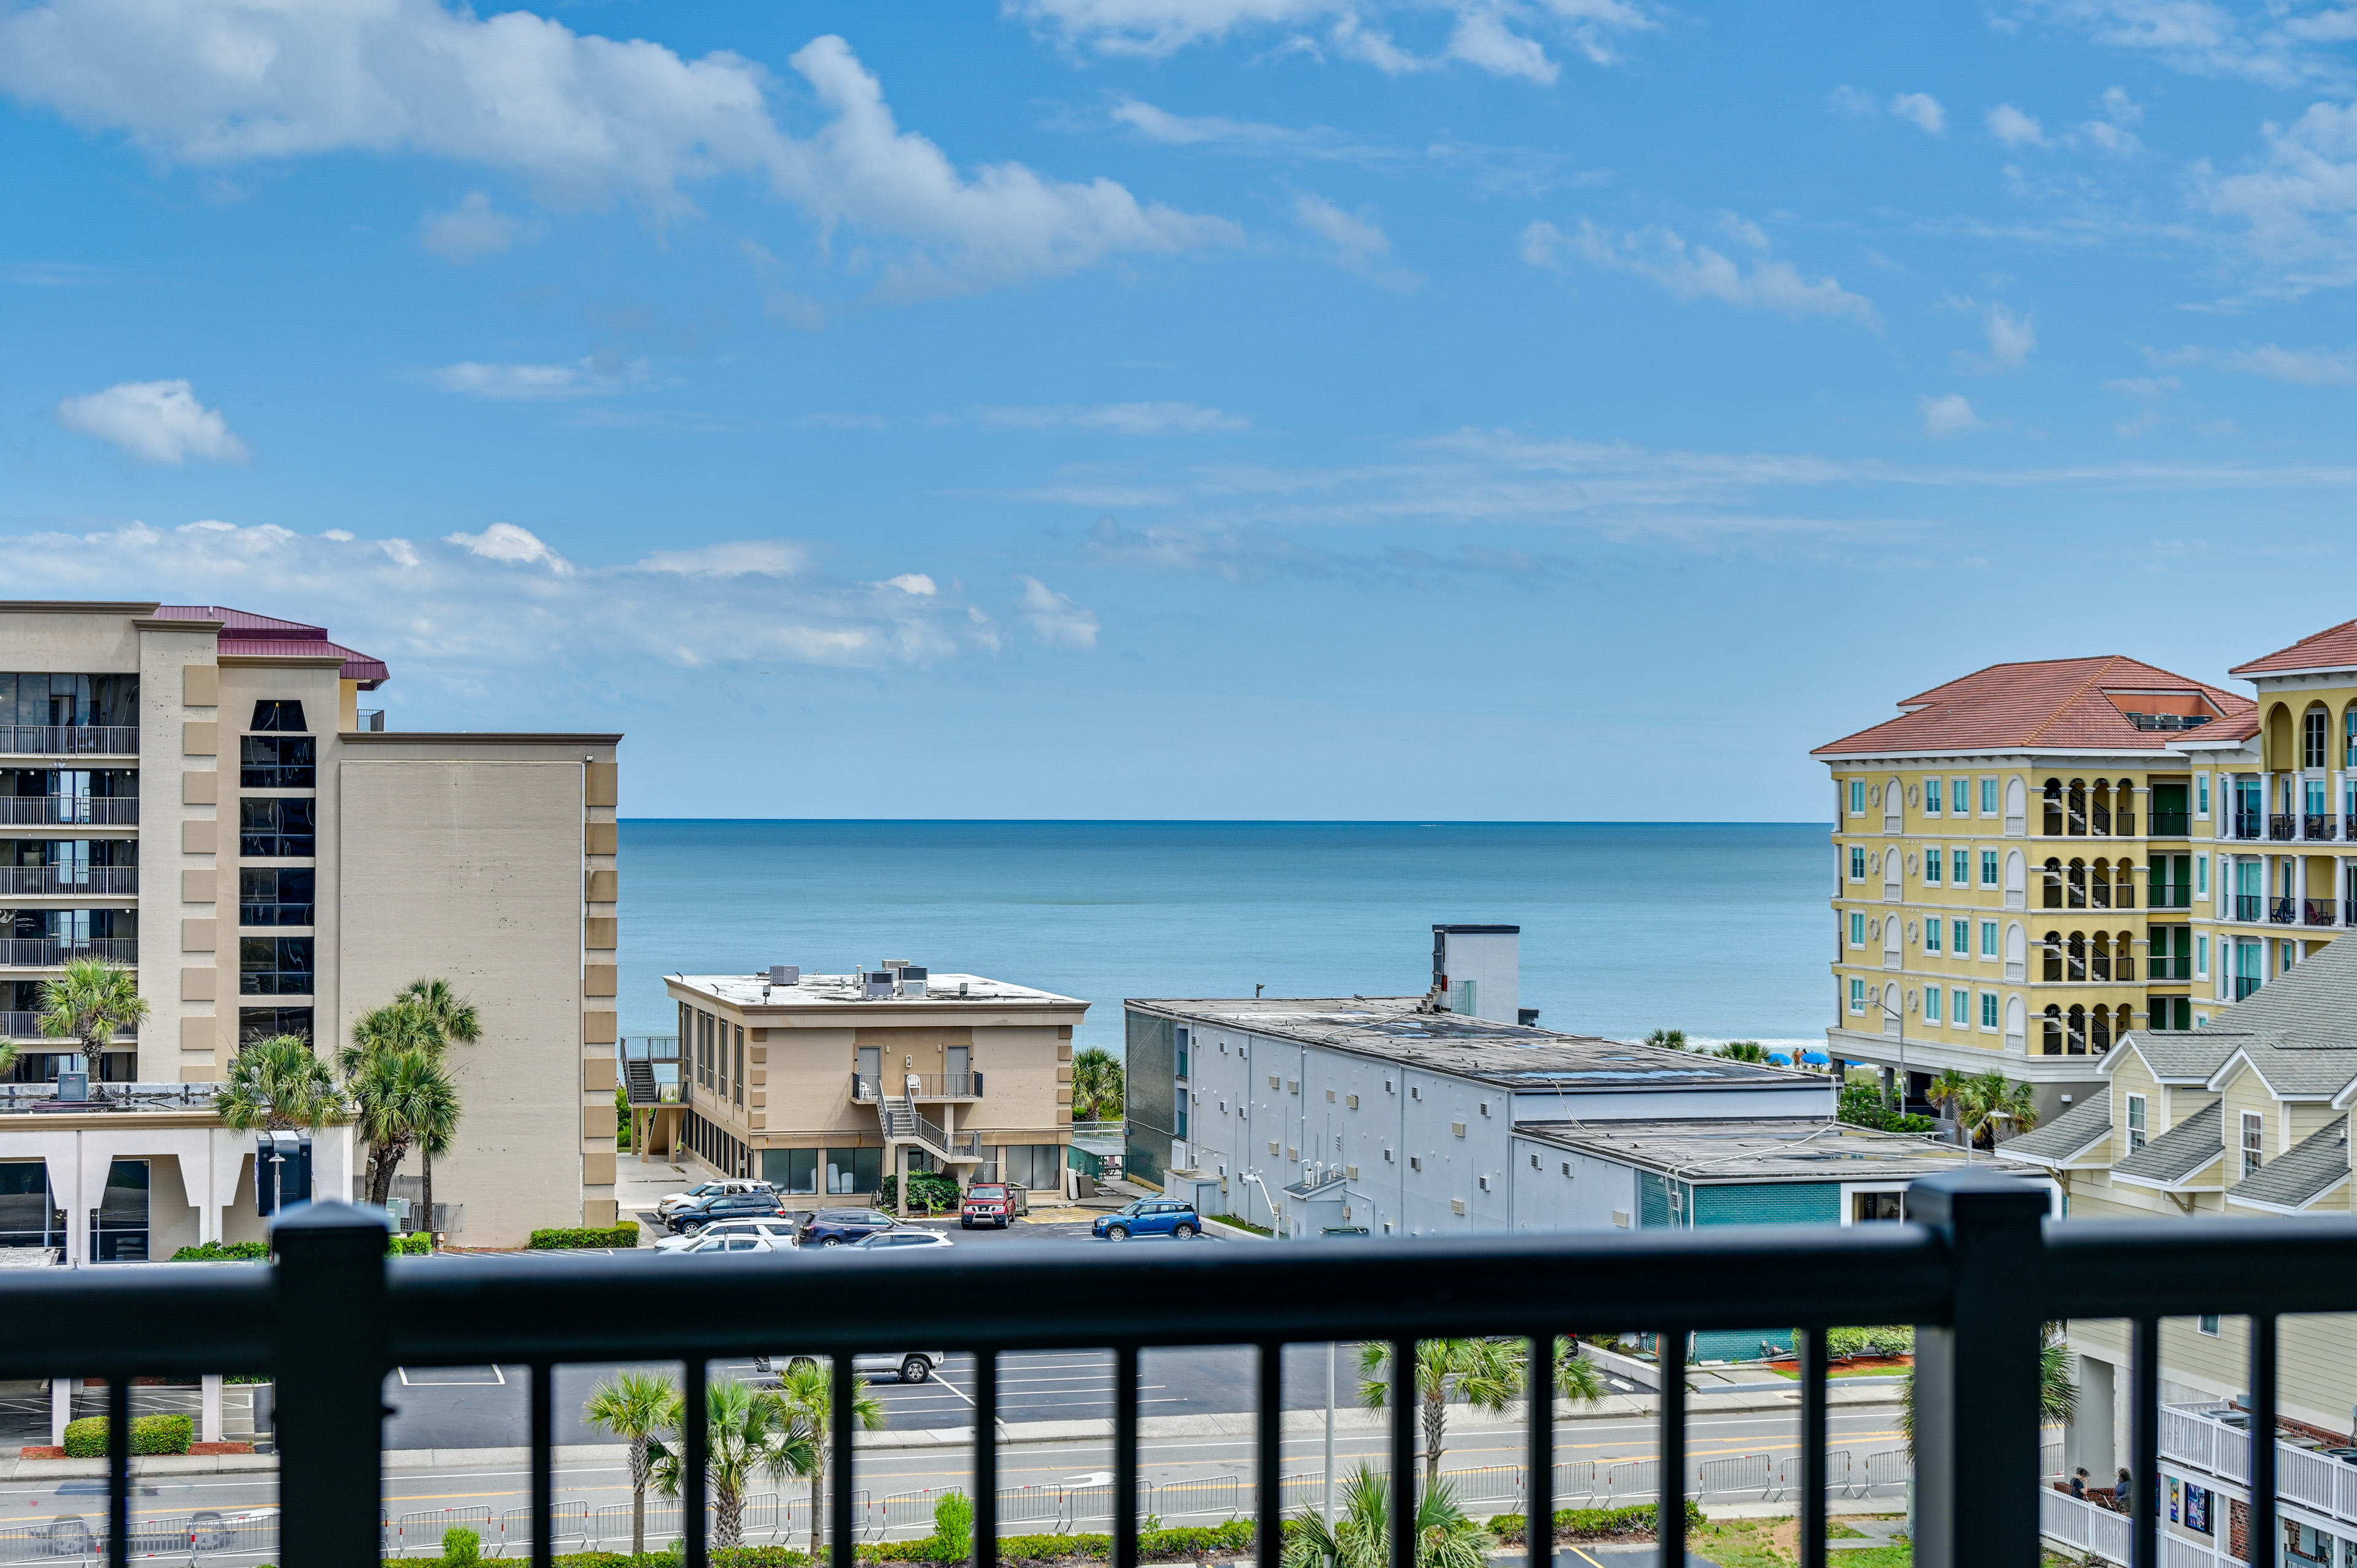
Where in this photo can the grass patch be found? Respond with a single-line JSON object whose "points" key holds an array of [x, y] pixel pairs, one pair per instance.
{"points": [[1244, 1225], [1775, 1544], [1871, 1370]]}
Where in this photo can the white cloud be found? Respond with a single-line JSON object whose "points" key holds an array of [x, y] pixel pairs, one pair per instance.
{"points": [[473, 228], [2014, 128], [1356, 241], [511, 546], [1922, 111], [1694, 271], [157, 421], [581, 378], [2010, 337], [2302, 367], [915, 583], [1950, 415], [1852, 101], [2274, 44], [1119, 418], [1055, 618], [1504, 38], [2299, 206], [737, 558], [581, 120]]}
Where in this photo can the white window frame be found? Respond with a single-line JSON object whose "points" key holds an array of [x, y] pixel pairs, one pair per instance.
{"points": [[1858, 928], [1857, 797], [1857, 995], [2254, 1142], [1990, 791], [1931, 1005], [1931, 867], [2138, 1124], [1857, 862], [1989, 874], [1992, 942], [1934, 795], [2201, 955], [1959, 797], [1991, 1007], [1959, 1008], [1930, 937], [2202, 797]]}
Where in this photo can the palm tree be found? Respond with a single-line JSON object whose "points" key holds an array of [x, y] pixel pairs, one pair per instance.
{"points": [[1485, 1373], [1744, 1051], [278, 1083], [7, 1056], [2058, 1396], [1990, 1105], [1360, 1537], [90, 1001], [1673, 1039], [748, 1431], [807, 1387], [453, 1018], [405, 1097], [1949, 1092], [383, 1033], [1098, 1086], [635, 1407]]}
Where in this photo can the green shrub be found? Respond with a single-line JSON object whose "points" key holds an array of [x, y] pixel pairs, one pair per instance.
{"points": [[930, 1192], [953, 1522], [1862, 1106], [86, 1438], [1897, 1340], [1588, 1524], [626, 1234], [1744, 1051], [222, 1252], [417, 1244], [461, 1547]]}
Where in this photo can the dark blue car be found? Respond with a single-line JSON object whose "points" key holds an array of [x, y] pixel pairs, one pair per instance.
{"points": [[836, 1227], [1150, 1216]]}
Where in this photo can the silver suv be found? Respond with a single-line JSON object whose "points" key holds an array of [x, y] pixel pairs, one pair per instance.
{"points": [[910, 1366]]}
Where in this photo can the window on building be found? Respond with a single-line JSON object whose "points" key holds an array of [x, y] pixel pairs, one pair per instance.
{"points": [[2208, 1322], [278, 762], [269, 1022], [1960, 1007], [2287, 957], [2201, 957], [273, 966], [1858, 995], [272, 897], [1960, 864], [1989, 868], [2135, 1122], [2201, 787], [1857, 797], [1962, 946], [1857, 929], [1932, 1000], [1857, 862], [851, 1172], [279, 717], [1988, 797], [274, 828], [1988, 939], [2255, 1142], [1989, 1009], [1932, 796], [1931, 867], [1931, 936], [1959, 793], [2201, 877], [791, 1170], [2316, 729]]}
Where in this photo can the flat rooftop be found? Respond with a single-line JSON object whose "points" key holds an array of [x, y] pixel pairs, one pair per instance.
{"points": [[1767, 1149], [1511, 1055], [839, 990]]}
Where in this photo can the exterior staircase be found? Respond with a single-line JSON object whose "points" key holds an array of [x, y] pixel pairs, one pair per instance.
{"points": [[639, 1078], [904, 1123]]}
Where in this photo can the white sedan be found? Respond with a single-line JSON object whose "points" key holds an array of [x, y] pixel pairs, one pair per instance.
{"points": [[730, 1244], [767, 1226], [897, 1239]]}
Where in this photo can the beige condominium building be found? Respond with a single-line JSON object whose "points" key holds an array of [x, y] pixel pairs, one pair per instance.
{"points": [[825, 1084], [2014, 875], [208, 797]]}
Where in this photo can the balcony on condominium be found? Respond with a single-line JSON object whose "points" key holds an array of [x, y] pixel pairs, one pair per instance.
{"points": [[936, 1088], [52, 952], [2250, 825], [69, 797], [46, 715], [2082, 810]]}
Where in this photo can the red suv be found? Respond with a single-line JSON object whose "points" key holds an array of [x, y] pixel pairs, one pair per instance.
{"points": [[986, 1203]]}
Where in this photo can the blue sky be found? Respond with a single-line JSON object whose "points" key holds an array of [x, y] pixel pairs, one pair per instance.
{"points": [[1524, 409]]}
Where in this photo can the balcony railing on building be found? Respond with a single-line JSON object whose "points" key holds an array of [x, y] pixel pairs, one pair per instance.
{"points": [[27, 1026], [70, 740], [2318, 911], [29, 881], [2244, 985], [2171, 824], [2319, 826], [867, 1088], [369, 721], [2249, 907], [2249, 825], [69, 811], [49, 953], [2284, 911], [2282, 826]]}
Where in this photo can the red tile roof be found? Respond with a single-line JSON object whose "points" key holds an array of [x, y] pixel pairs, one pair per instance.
{"points": [[259, 636], [2334, 648], [2051, 704]]}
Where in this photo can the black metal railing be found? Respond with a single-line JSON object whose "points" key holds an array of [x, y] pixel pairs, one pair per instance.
{"points": [[17, 1026], [2248, 826], [69, 811], [2244, 985], [2284, 911], [2282, 825], [1977, 1266], [368, 721], [70, 740], [2168, 966], [2247, 905], [2171, 895], [2316, 911], [2318, 825], [26, 881], [2171, 824]]}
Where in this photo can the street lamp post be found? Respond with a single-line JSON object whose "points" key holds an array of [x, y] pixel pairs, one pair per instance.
{"points": [[1899, 1014]]}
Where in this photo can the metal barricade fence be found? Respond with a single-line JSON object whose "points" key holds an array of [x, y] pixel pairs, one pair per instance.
{"points": [[902, 1509], [1489, 1483], [1187, 1500], [1087, 1504], [566, 1522], [1748, 1473], [1575, 1478], [1890, 1467], [1632, 1479], [1030, 1505], [1837, 1473], [421, 1533], [205, 1532]]}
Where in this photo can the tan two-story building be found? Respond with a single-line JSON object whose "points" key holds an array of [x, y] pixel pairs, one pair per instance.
{"points": [[826, 1084]]}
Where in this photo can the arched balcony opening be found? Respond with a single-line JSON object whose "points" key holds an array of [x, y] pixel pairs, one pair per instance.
{"points": [[2075, 956], [2099, 1031], [2054, 803], [2077, 885], [2123, 885], [2098, 956], [2054, 869], [2075, 1027], [2124, 963], [2099, 885], [2051, 1043], [2099, 808], [2315, 737], [2052, 950]]}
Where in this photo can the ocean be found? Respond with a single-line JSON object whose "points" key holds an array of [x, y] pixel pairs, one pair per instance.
{"points": [[1716, 929]]}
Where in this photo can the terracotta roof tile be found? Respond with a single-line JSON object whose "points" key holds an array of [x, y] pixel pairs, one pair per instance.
{"points": [[2334, 648], [2053, 704]]}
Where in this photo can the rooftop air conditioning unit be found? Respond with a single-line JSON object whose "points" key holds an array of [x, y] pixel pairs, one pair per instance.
{"points": [[785, 975], [912, 980], [875, 985]]}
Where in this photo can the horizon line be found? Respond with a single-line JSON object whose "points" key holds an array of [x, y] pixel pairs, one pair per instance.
{"points": [[1270, 821]]}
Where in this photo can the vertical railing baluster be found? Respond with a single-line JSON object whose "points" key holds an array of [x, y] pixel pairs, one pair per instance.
{"points": [[1670, 1511], [1405, 1404], [1125, 1458], [544, 1462], [1268, 1461], [2144, 1439], [332, 1328], [118, 1468], [985, 1459], [695, 1442], [1538, 1485], [1814, 1374], [2263, 1443], [841, 1548]]}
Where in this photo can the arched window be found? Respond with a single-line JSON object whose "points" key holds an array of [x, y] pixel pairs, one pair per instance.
{"points": [[2349, 737], [2054, 798], [2100, 807], [2315, 731], [2099, 1037], [2052, 947], [2074, 808], [2075, 1021], [2052, 1044], [2098, 956], [2124, 966], [2078, 884], [2054, 884], [2077, 957], [2016, 955], [2099, 885], [2123, 886]]}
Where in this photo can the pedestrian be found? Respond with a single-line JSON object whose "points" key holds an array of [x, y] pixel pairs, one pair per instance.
{"points": [[2079, 1482], [2120, 1493]]}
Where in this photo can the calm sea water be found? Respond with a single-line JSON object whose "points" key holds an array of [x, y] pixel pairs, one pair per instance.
{"points": [[1718, 929]]}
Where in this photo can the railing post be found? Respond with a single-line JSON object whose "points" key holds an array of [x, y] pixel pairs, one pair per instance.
{"points": [[1976, 1377], [333, 1337]]}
